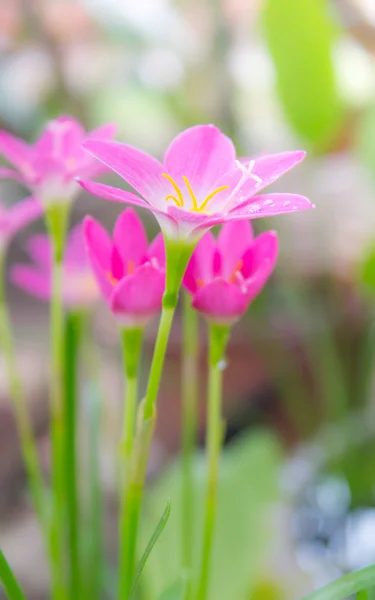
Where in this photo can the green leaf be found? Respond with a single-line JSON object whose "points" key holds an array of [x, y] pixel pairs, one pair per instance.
{"points": [[367, 273], [10, 583], [345, 586], [247, 490], [176, 591], [154, 538], [300, 38]]}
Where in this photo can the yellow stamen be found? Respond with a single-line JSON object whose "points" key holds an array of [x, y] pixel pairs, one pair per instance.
{"points": [[206, 201], [130, 267], [237, 268], [190, 190], [112, 279], [180, 199]]}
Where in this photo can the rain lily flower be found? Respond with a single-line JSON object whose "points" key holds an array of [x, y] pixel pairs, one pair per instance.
{"points": [[130, 274], [199, 184], [226, 274], [49, 167], [80, 289], [14, 218]]}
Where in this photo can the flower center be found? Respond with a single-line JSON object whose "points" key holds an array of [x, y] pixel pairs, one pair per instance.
{"points": [[178, 199]]}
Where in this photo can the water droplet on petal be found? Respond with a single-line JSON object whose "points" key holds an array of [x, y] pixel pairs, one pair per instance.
{"points": [[286, 203], [254, 208], [268, 203], [222, 365]]}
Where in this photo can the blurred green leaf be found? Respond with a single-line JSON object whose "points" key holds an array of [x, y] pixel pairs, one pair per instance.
{"points": [[367, 271], [154, 538], [248, 488], [176, 591], [300, 36]]}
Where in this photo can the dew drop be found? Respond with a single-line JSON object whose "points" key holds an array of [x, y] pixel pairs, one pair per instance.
{"points": [[255, 208], [268, 203], [222, 365], [287, 203]]}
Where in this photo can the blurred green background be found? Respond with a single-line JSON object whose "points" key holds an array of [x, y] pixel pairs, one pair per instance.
{"points": [[298, 486]]}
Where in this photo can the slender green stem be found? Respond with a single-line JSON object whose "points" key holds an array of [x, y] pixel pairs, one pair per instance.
{"points": [[218, 337], [188, 425], [25, 430], [129, 493], [10, 583], [73, 330], [56, 218]]}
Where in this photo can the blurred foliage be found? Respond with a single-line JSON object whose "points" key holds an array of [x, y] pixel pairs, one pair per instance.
{"points": [[300, 37], [248, 488]]}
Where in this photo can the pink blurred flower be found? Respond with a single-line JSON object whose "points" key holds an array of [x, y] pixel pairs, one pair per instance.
{"points": [[226, 274], [79, 286], [199, 184], [130, 274], [15, 217], [49, 167]]}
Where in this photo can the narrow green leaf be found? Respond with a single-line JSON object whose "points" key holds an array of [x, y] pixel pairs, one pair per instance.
{"points": [[10, 583], [176, 591], [300, 38], [154, 538], [349, 584]]}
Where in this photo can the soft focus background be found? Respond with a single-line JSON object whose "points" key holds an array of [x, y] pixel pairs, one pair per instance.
{"points": [[298, 485]]}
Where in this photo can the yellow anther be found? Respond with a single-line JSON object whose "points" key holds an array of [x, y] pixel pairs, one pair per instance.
{"points": [[130, 267], [180, 199], [111, 278]]}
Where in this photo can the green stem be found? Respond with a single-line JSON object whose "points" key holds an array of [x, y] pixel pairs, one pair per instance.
{"points": [[56, 219], [25, 430], [10, 583], [177, 256], [188, 426], [129, 493], [218, 337], [73, 331]]}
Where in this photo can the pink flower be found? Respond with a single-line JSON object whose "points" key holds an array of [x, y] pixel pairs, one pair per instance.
{"points": [[130, 274], [226, 274], [199, 184], [79, 286], [49, 167], [15, 217]]}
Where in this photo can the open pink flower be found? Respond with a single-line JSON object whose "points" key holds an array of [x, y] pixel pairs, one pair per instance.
{"points": [[226, 274], [16, 217], [49, 167], [130, 274], [80, 289], [199, 184]]}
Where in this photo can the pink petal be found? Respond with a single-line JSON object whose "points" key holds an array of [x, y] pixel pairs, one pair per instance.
{"points": [[167, 223], [98, 242], [264, 250], [139, 295], [60, 140], [23, 213], [31, 281], [268, 205], [200, 269], [10, 174], [117, 266], [269, 168], [15, 150], [202, 154], [75, 251], [157, 250], [140, 170], [103, 132], [233, 241], [130, 239], [220, 301], [39, 249]]}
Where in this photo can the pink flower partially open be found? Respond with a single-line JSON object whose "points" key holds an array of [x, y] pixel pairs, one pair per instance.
{"points": [[80, 289], [49, 167], [199, 184], [130, 274], [226, 274], [16, 217]]}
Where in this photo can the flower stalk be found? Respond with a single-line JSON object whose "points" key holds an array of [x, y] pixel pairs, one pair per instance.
{"points": [[56, 220], [188, 425], [218, 337]]}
